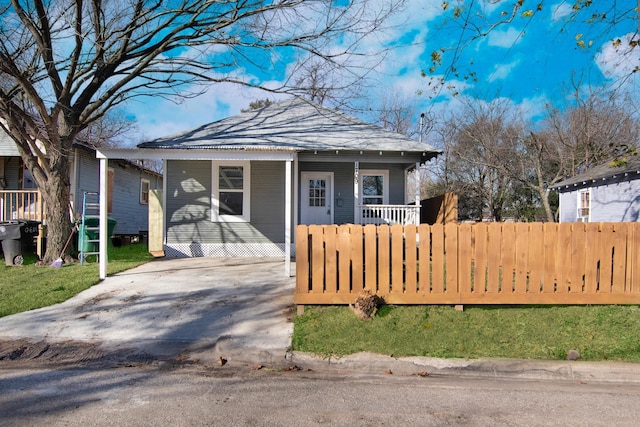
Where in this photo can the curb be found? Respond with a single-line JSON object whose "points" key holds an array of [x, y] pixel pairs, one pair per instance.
{"points": [[483, 368]]}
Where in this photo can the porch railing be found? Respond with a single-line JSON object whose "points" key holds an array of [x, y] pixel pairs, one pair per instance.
{"points": [[389, 214], [21, 204]]}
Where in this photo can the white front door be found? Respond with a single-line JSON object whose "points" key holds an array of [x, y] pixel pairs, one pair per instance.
{"points": [[316, 198]]}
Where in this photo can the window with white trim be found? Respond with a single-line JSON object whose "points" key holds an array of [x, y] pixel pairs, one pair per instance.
{"points": [[230, 198], [145, 186], [374, 187], [584, 203]]}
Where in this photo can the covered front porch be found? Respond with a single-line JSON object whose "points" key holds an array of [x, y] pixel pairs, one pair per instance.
{"points": [[282, 195]]}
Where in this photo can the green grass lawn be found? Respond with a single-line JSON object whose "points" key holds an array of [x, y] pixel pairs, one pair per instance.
{"points": [[29, 286], [528, 332]]}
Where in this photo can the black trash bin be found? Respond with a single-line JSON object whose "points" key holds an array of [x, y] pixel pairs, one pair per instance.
{"points": [[29, 232], [10, 235]]}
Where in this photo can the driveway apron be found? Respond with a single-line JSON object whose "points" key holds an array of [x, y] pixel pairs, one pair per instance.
{"points": [[207, 307]]}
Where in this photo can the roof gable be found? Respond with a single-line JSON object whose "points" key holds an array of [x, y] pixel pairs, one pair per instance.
{"points": [[293, 125]]}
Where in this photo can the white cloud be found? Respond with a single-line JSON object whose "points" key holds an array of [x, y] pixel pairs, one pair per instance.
{"points": [[504, 38], [502, 71], [534, 108], [561, 10], [617, 60]]}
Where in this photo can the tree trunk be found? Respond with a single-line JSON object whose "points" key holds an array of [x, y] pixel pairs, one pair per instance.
{"points": [[58, 220], [544, 196], [56, 195]]}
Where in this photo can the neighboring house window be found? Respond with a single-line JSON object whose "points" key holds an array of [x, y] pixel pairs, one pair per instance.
{"points": [[231, 191], [374, 187], [144, 191], [584, 204]]}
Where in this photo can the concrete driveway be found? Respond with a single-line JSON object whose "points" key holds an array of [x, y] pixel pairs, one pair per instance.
{"points": [[207, 308]]}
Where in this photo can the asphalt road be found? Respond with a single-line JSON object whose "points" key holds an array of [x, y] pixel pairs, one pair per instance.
{"points": [[193, 395]]}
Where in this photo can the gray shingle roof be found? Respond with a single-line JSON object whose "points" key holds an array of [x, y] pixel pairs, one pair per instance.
{"points": [[294, 125], [603, 172]]}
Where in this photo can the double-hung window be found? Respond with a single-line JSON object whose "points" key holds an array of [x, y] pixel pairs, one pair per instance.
{"points": [[374, 187], [230, 198], [144, 191], [584, 204]]}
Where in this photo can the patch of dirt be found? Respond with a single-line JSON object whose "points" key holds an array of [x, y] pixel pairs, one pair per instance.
{"points": [[133, 298], [27, 354], [93, 301]]}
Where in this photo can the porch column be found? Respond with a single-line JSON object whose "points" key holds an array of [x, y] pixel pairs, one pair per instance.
{"points": [[356, 194], [103, 232], [417, 192], [287, 218]]}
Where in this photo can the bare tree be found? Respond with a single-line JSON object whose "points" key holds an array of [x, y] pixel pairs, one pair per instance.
{"points": [[593, 129], [396, 113], [495, 161], [109, 130], [481, 138], [65, 64]]}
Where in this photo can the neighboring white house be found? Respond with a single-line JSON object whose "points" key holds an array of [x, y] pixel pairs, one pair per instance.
{"points": [[605, 193]]}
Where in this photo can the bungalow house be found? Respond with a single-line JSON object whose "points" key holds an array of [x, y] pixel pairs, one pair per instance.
{"points": [[127, 200], [238, 186], [605, 193]]}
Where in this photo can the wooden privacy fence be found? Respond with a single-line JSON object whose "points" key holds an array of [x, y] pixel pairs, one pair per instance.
{"points": [[485, 263]]}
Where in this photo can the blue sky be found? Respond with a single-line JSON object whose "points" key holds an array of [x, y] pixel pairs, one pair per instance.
{"points": [[530, 61]]}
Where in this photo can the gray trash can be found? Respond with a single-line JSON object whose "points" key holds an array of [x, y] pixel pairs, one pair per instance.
{"points": [[10, 234]]}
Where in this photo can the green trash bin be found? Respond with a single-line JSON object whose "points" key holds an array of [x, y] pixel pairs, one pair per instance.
{"points": [[89, 233]]}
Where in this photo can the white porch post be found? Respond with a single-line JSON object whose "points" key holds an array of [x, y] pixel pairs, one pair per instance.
{"points": [[356, 194], [417, 193], [287, 218], [102, 256]]}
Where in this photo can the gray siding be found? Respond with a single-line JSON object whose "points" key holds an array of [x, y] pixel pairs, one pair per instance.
{"points": [[188, 200], [12, 173], [7, 145], [267, 199], [188, 205], [396, 182], [615, 202], [568, 206], [132, 217], [88, 177], [188, 209]]}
